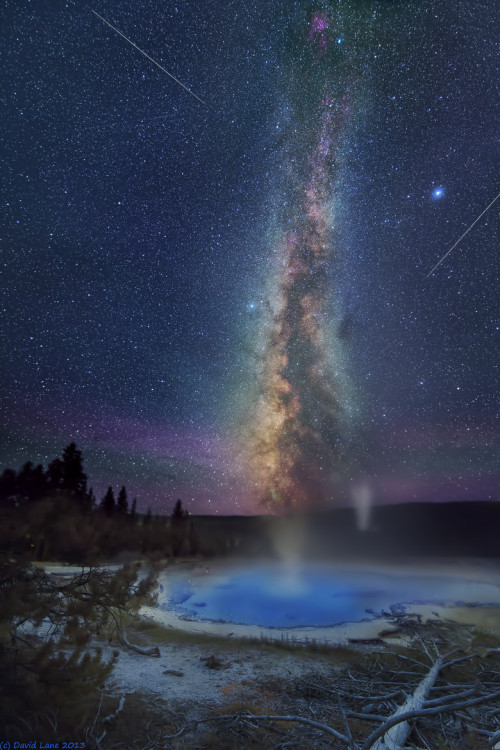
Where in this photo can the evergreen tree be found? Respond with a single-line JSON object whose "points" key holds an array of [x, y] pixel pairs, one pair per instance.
{"points": [[8, 487], [179, 524], [31, 483], [133, 510], [178, 515], [91, 499], [50, 685], [38, 483], [121, 503], [55, 474], [148, 517], [73, 477], [108, 502]]}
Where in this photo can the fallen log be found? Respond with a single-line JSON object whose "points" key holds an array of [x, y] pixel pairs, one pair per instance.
{"points": [[396, 736], [398, 719], [153, 651]]}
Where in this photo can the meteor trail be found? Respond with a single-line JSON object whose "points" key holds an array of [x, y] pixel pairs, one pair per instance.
{"points": [[461, 238], [146, 55]]}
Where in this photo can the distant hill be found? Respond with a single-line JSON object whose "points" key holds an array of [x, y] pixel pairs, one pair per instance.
{"points": [[450, 529]]}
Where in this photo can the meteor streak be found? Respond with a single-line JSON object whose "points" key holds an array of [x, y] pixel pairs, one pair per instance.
{"points": [[461, 238], [149, 58]]}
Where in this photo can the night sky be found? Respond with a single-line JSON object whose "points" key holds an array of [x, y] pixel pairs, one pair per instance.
{"points": [[164, 297]]}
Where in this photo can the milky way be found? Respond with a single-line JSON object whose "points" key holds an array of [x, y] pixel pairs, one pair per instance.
{"points": [[299, 440]]}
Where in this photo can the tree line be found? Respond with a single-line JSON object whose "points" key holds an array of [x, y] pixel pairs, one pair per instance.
{"points": [[33, 483], [52, 514]]}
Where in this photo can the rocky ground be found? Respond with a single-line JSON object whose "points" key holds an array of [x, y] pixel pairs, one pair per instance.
{"points": [[197, 678]]}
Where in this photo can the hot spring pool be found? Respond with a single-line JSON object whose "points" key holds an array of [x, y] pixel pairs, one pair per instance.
{"points": [[274, 596]]}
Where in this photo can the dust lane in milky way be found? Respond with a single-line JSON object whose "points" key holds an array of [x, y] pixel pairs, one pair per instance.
{"points": [[299, 441]]}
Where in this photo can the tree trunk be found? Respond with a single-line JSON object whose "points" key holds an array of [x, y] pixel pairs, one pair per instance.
{"points": [[153, 651], [395, 737]]}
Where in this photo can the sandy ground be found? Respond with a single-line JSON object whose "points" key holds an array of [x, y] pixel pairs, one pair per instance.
{"points": [[244, 667]]}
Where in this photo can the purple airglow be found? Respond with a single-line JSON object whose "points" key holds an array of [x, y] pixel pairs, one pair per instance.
{"points": [[205, 466], [157, 461]]}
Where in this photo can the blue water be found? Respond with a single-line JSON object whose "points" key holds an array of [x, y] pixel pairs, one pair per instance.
{"points": [[315, 596]]}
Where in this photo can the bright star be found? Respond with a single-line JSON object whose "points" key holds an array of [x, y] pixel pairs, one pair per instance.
{"points": [[438, 193]]}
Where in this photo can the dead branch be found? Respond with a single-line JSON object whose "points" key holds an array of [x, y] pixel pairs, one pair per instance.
{"points": [[456, 661], [394, 720], [91, 730], [296, 719], [153, 651], [421, 738], [396, 738], [446, 698], [112, 716], [350, 741], [402, 656], [387, 696], [365, 717]]}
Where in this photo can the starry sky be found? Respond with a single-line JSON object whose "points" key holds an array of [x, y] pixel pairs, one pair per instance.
{"points": [[144, 251]]}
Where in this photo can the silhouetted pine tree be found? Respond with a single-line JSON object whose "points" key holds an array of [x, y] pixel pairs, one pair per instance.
{"points": [[178, 515], [91, 499], [31, 482], [108, 502], [74, 479], [121, 503], [148, 517], [8, 485], [179, 523], [133, 510], [55, 474]]}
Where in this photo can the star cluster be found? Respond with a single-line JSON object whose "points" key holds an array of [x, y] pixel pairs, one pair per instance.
{"points": [[141, 230]]}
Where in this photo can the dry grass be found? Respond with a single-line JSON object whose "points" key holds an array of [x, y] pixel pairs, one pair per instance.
{"points": [[149, 632], [142, 721], [349, 669], [357, 673], [484, 639]]}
